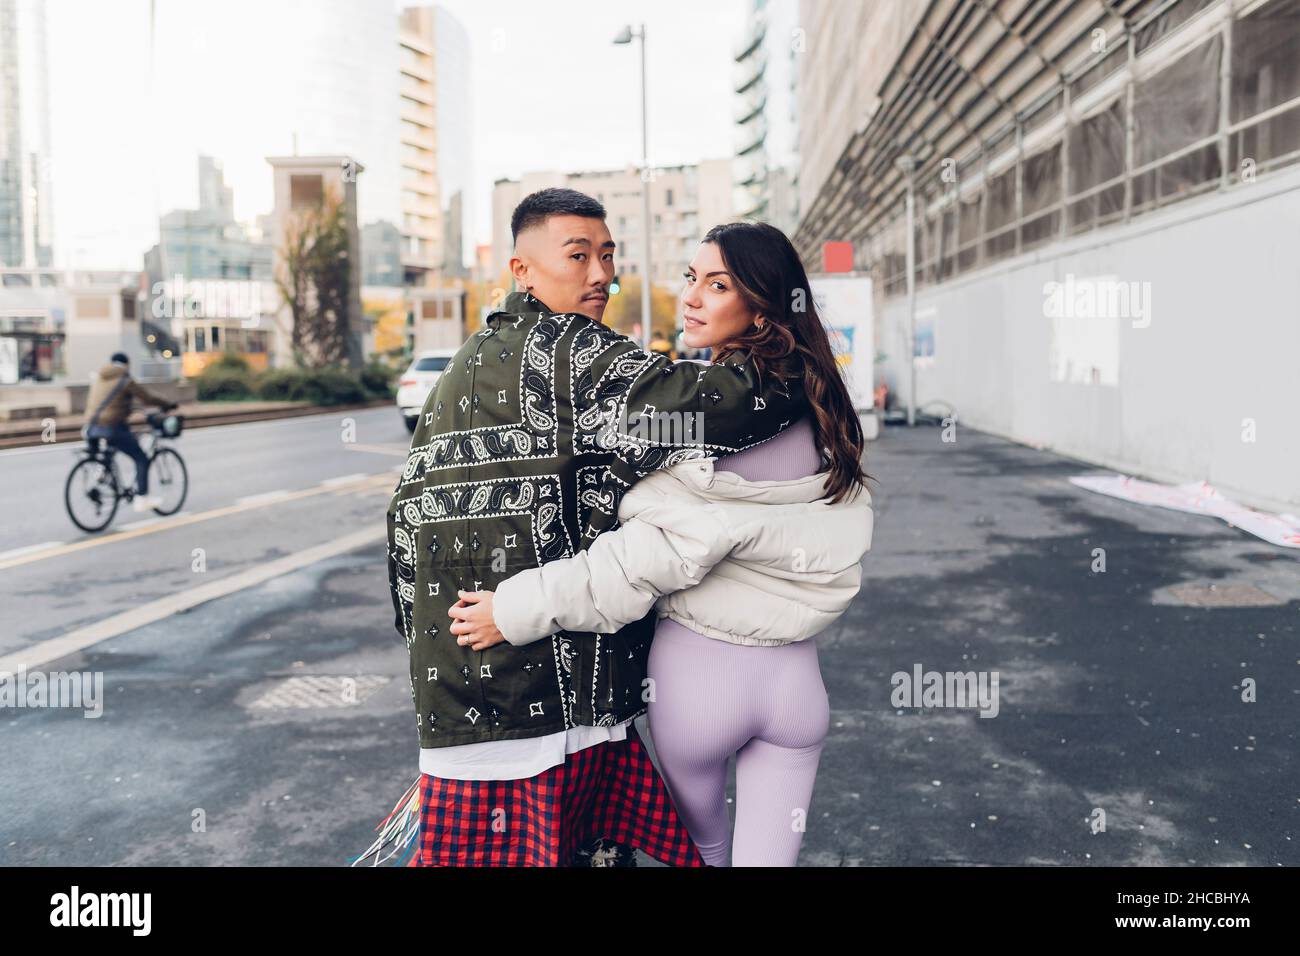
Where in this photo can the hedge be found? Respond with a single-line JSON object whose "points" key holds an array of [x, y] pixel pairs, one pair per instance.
{"points": [[230, 379]]}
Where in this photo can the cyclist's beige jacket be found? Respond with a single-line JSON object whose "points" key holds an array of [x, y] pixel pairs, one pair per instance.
{"points": [[116, 401], [750, 562]]}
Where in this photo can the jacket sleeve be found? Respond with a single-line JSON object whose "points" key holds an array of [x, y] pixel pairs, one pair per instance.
{"points": [[400, 547], [146, 396], [733, 408], [694, 411], [658, 550]]}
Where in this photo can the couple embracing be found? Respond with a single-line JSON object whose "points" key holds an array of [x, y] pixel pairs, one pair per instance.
{"points": [[556, 574]]}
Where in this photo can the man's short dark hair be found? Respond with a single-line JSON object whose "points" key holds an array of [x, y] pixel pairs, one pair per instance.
{"points": [[537, 207]]}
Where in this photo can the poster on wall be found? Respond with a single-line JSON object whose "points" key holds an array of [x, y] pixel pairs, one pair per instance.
{"points": [[1085, 313], [923, 342], [845, 307]]}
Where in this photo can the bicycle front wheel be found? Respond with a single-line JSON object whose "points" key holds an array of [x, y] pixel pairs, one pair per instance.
{"points": [[91, 494], [168, 480]]}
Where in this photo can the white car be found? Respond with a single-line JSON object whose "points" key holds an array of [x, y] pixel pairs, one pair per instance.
{"points": [[417, 382]]}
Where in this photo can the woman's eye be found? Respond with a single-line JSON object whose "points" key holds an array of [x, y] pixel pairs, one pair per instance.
{"points": [[719, 286], [578, 255], [688, 277]]}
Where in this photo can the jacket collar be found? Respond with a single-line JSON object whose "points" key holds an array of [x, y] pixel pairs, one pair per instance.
{"points": [[520, 302], [701, 474]]}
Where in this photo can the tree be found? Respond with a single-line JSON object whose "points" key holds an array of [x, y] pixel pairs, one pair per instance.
{"points": [[315, 282]]}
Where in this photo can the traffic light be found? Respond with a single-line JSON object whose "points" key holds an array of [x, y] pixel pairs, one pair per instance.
{"points": [[614, 286]]}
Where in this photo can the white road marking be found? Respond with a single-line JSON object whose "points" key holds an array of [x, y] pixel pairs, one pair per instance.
{"points": [[44, 447], [54, 648]]}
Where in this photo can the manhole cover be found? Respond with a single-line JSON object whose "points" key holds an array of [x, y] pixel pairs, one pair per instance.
{"points": [[319, 691], [1223, 595]]}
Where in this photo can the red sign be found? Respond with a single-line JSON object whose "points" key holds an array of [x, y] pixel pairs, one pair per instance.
{"points": [[837, 257]]}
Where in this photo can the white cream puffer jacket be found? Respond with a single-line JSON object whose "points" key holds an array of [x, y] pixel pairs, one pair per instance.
{"points": [[750, 562]]}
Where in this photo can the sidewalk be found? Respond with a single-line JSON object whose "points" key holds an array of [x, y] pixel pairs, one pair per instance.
{"points": [[1116, 693]]}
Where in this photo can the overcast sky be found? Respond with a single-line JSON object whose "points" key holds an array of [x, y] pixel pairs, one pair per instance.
{"points": [[550, 91]]}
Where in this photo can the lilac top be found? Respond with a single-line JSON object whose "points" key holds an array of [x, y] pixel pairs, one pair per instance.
{"points": [[791, 454]]}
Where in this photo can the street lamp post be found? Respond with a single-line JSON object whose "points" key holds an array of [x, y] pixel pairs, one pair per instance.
{"points": [[906, 164], [626, 35]]}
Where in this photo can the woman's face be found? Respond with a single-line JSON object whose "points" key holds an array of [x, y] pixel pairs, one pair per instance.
{"points": [[712, 308]]}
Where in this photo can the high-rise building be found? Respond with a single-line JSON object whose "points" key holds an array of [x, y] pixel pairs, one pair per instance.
{"points": [[422, 230], [209, 283], [381, 255], [249, 79], [766, 164], [26, 225], [455, 142], [685, 202], [207, 243]]}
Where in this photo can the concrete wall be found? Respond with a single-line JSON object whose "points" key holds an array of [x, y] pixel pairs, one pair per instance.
{"points": [[848, 50], [1223, 345]]}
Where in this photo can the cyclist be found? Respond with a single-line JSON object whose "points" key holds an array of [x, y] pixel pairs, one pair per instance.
{"points": [[659, 343], [109, 406]]}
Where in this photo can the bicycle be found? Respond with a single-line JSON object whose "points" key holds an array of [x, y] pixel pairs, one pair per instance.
{"points": [[94, 488]]}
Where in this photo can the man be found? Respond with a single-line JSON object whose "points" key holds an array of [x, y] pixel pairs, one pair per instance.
{"points": [[108, 406], [519, 458]]}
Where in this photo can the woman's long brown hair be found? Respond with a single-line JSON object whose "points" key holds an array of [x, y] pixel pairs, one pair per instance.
{"points": [[792, 340]]}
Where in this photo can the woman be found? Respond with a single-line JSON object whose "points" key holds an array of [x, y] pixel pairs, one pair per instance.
{"points": [[748, 556]]}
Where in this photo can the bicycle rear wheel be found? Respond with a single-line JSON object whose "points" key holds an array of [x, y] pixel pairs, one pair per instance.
{"points": [[91, 494], [169, 480]]}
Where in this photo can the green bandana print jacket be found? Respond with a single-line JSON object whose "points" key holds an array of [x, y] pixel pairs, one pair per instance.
{"points": [[521, 455]]}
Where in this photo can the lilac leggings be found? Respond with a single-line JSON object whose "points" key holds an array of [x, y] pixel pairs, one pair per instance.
{"points": [[765, 705]]}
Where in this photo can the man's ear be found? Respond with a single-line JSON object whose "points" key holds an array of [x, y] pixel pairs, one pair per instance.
{"points": [[519, 269]]}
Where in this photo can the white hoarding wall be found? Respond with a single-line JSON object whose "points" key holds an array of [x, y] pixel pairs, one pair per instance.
{"points": [[1166, 348], [845, 306]]}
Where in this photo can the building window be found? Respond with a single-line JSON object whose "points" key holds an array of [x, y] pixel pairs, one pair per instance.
{"points": [[1097, 169], [1184, 141], [93, 307], [668, 197], [969, 210], [1175, 119], [1000, 234], [306, 191], [1266, 75], [1041, 197]]}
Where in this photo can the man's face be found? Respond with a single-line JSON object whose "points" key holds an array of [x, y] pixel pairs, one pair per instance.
{"points": [[568, 263]]}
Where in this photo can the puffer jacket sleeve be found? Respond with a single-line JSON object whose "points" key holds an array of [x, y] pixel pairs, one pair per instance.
{"points": [[664, 544]]}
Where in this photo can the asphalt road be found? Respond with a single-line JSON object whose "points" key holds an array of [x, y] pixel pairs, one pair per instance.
{"points": [[1113, 696]]}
